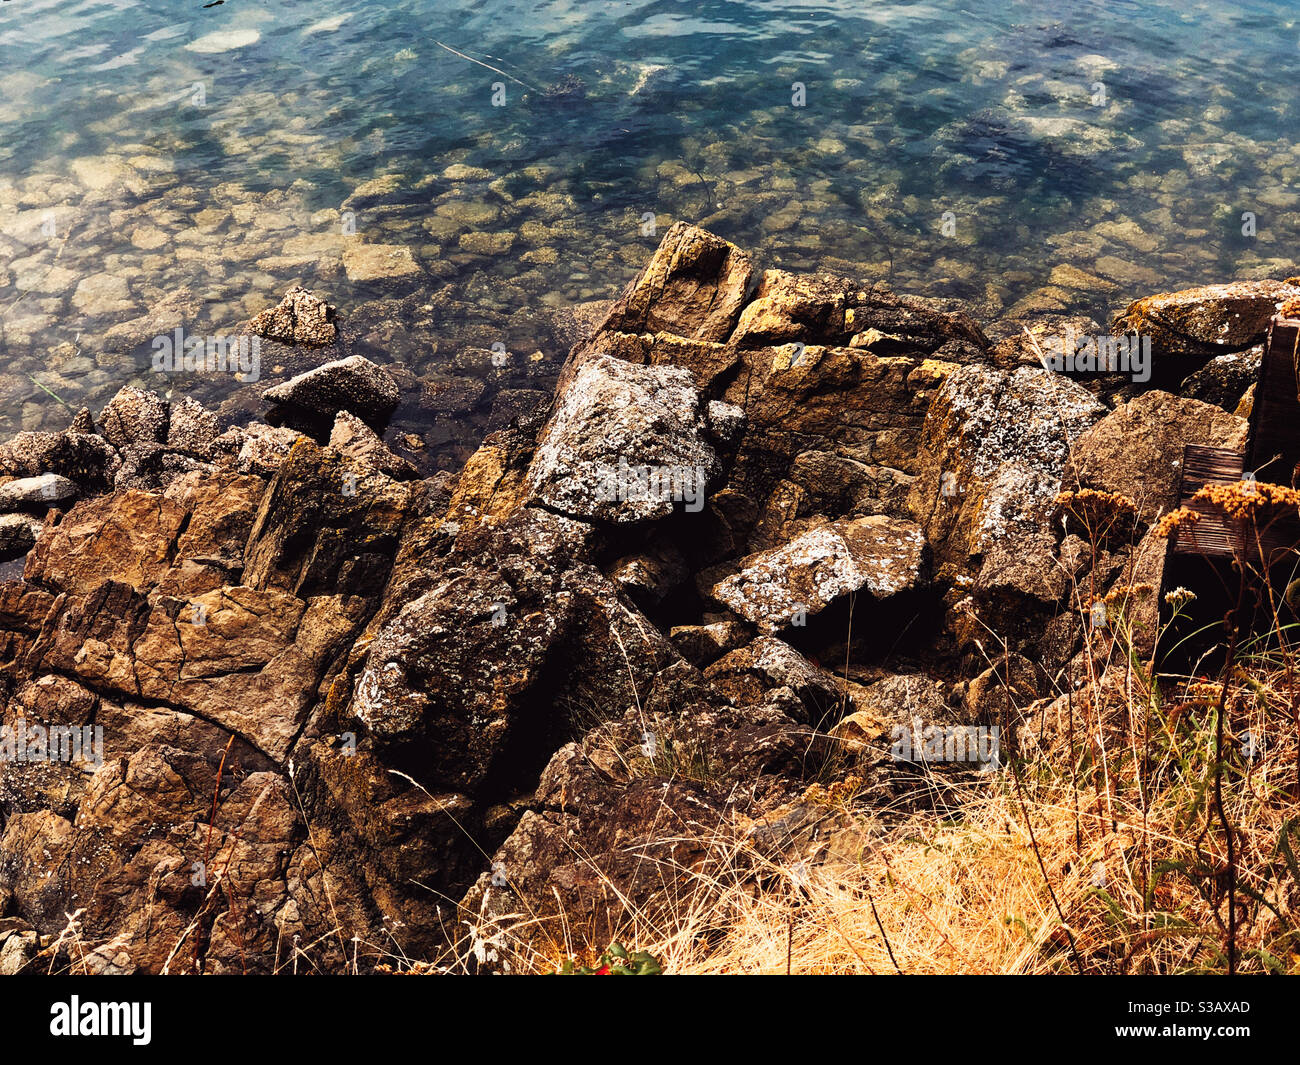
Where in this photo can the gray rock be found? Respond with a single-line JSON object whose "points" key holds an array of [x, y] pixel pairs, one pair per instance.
{"points": [[44, 491], [353, 384], [773, 588], [86, 459], [134, 416], [191, 427], [626, 443]]}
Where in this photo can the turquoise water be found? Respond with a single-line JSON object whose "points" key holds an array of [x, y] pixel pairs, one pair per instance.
{"points": [[1020, 157]]}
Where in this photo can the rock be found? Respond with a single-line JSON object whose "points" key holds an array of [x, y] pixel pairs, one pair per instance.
{"points": [[1206, 321], [379, 262], [702, 644], [782, 586], [87, 460], [649, 577], [354, 384], [995, 445], [326, 526], [45, 491], [153, 467], [1225, 379], [833, 311], [135, 416], [749, 674], [1137, 449], [191, 427], [224, 41], [102, 294], [362, 445], [255, 448], [82, 422], [18, 532], [694, 287], [299, 318], [650, 456]]}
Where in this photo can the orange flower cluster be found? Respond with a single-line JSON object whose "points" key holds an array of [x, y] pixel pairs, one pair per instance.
{"points": [[1249, 500], [1101, 514], [1175, 520]]}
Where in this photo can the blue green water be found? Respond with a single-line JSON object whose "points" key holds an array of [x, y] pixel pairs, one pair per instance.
{"points": [[1021, 157]]}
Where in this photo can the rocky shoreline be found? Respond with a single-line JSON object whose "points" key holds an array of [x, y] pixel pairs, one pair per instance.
{"points": [[354, 716]]}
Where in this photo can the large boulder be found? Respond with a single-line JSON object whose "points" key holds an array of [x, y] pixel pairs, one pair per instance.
{"points": [[629, 443], [995, 445], [1137, 449], [1209, 320]]}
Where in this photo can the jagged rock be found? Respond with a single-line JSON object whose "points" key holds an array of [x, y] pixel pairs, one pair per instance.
{"points": [[300, 318], [785, 585], [354, 384], [152, 466], [356, 441], [82, 422], [702, 644], [134, 416], [1225, 379], [748, 674], [1209, 320], [45, 491], [326, 525], [18, 532], [994, 447], [256, 448], [826, 311], [86, 459], [694, 287], [654, 426], [191, 427], [465, 672], [1137, 449]]}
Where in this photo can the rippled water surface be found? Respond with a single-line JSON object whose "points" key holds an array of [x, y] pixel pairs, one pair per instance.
{"points": [[167, 165]]}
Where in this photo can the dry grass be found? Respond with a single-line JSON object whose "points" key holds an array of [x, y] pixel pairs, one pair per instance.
{"points": [[1144, 824]]}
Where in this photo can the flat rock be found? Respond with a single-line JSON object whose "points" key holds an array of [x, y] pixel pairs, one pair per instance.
{"points": [[379, 262], [880, 555]]}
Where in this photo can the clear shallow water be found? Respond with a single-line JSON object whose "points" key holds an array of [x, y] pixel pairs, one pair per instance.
{"points": [[1082, 153]]}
